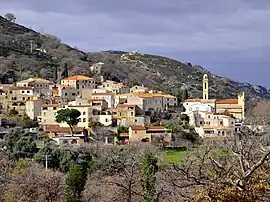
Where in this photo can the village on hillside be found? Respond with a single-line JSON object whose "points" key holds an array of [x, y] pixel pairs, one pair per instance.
{"points": [[114, 105]]}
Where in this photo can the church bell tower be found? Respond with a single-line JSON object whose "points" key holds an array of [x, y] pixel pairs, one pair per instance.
{"points": [[205, 87]]}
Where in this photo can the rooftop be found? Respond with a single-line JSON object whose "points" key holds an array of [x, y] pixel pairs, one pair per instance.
{"points": [[152, 95], [227, 101], [79, 78], [50, 105], [37, 80]]}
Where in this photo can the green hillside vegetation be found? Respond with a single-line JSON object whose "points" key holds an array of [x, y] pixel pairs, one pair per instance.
{"points": [[18, 61]]}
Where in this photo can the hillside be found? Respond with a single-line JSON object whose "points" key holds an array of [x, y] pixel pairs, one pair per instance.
{"points": [[17, 62]]}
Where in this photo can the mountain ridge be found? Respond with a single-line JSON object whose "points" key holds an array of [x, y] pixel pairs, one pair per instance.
{"points": [[18, 61]]}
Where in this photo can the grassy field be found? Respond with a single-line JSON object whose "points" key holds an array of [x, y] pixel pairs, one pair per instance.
{"points": [[174, 156]]}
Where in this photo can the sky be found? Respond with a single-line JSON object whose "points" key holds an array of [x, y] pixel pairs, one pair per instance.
{"points": [[230, 38]]}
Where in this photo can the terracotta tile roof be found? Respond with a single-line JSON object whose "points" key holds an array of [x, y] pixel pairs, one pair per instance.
{"points": [[125, 105], [96, 100], [193, 100], [50, 105], [54, 128], [155, 128], [78, 78], [227, 101], [138, 128]]}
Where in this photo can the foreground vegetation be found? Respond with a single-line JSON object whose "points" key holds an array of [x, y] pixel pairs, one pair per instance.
{"points": [[236, 171]]}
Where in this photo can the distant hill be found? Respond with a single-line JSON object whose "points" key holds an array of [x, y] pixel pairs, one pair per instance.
{"points": [[17, 62]]}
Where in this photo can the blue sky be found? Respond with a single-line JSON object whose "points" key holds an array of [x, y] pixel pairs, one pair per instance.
{"points": [[230, 38]]}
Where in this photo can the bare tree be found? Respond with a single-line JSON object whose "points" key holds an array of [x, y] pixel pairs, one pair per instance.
{"points": [[232, 173], [30, 182]]}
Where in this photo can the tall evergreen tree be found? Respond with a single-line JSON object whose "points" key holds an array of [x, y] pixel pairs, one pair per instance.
{"points": [[65, 72], [75, 183], [148, 170]]}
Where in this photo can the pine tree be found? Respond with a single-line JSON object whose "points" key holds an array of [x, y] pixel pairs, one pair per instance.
{"points": [[148, 171], [184, 95], [75, 183]]}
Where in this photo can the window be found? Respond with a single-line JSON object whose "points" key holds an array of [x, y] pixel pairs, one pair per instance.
{"points": [[23, 91], [131, 113], [54, 108], [28, 91], [209, 116], [73, 94], [106, 120], [84, 119], [45, 108], [23, 98], [135, 120], [83, 113], [10, 92]]}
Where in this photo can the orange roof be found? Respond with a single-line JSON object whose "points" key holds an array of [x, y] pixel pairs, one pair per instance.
{"points": [[125, 105], [155, 127], [78, 78], [138, 128], [227, 101], [193, 100], [95, 100], [50, 105], [54, 128]]}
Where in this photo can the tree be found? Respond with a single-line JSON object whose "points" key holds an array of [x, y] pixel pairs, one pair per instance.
{"points": [[10, 17], [148, 179], [75, 183], [28, 123], [69, 116], [184, 94], [184, 118]]}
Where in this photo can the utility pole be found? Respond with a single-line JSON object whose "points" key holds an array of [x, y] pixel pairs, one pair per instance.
{"points": [[46, 161]]}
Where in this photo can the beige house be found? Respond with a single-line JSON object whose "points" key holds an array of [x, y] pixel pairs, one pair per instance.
{"points": [[82, 84], [114, 87], [33, 108], [149, 133], [48, 113], [41, 86], [109, 97], [152, 101], [128, 115], [16, 97]]}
